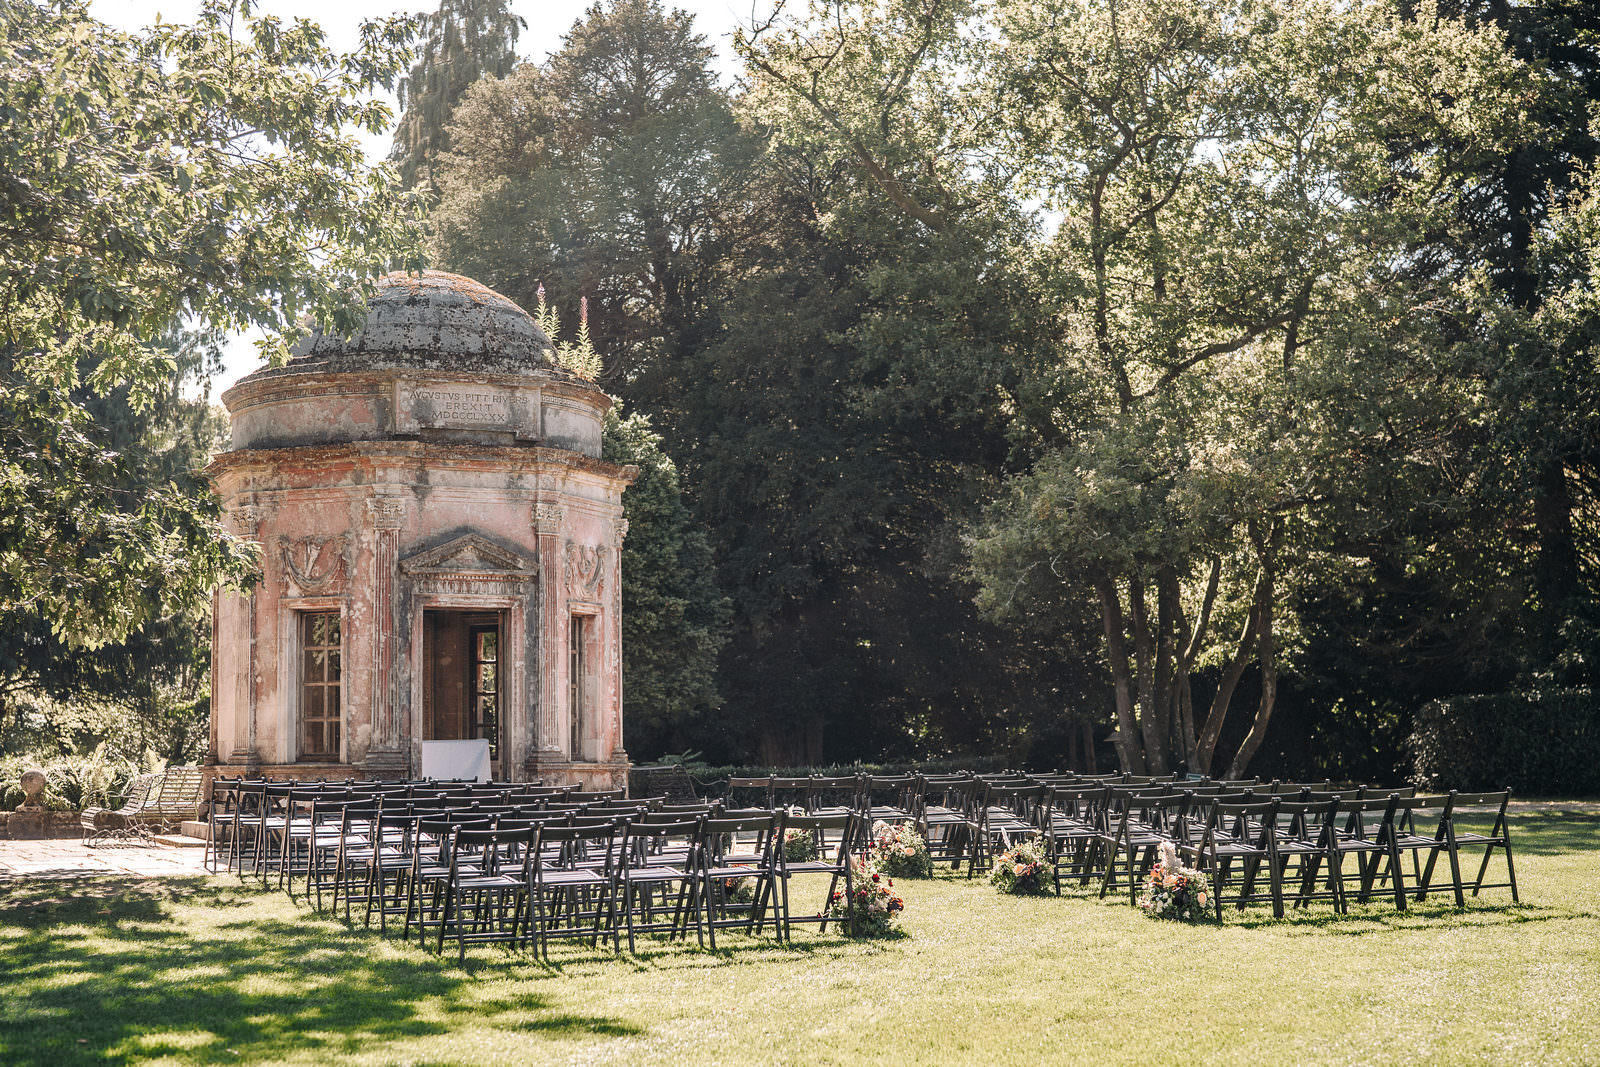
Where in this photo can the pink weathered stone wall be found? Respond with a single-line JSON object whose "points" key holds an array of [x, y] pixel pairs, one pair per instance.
{"points": [[381, 483]]}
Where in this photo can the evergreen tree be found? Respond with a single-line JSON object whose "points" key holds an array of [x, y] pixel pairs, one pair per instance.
{"points": [[616, 171], [462, 42], [674, 619]]}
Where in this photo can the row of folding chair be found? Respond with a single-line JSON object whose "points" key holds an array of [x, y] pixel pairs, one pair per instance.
{"points": [[1268, 847], [449, 866], [250, 816]]}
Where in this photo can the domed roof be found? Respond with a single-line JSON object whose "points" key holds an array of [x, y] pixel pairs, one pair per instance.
{"points": [[433, 320]]}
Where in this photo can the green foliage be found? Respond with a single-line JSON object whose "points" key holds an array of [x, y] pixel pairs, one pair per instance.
{"points": [[463, 41], [195, 174], [674, 619], [578, 355], [1540, 743], [615, 169], [147, 690], [72, 783]]}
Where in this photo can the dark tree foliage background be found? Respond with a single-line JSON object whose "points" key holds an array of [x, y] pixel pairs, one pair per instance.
{"points": [[936, 460], [845, 364]]}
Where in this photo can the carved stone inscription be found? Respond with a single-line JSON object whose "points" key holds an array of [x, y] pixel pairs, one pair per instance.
{"points": [[463, 406]]}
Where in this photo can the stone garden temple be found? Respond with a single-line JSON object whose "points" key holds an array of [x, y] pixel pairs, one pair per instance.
{"points": [[440, 551]]}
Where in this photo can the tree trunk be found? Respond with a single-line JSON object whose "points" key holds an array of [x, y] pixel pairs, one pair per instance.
{"points": [[1243, 652], [1126, 738], [1269, 684], [1556, 565], [1169, 610], [1190, 642], [1090, 764], [1152, 712], [1191, 748]]}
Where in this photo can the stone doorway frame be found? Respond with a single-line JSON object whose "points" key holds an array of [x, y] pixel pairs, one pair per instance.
{"points": [[472, 574]]}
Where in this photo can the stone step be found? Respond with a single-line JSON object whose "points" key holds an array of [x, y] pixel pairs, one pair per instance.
{"points": [[180, 840], [190, 828]]}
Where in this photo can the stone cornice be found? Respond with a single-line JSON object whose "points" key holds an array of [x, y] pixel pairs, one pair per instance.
{"points": [[374, 454], [292, 383]]}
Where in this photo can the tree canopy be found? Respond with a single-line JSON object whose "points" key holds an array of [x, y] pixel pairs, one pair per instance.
{"points": [[462, 42], [189, 174]]}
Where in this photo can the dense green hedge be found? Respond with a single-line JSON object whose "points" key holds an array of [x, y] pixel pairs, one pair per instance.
{"points": [[1542, 743], [713, 781]]}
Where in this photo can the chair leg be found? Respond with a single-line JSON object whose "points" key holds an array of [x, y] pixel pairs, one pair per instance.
{"points": [[1455, 864]]}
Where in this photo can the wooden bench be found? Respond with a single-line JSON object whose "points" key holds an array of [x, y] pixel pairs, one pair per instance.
{"points": [[155, 802]]}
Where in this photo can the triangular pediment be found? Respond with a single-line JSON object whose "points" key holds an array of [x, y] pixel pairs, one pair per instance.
{"points": [[469, 554]]}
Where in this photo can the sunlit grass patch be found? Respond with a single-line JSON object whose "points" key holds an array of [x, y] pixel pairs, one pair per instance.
{"points": [[209, 971]]}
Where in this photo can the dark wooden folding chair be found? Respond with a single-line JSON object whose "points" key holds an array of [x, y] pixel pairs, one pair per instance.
{"points": [[1305, 854], [735, 847], [1456, 837], [1416, 825], [1242, 833], [487, 887], [940, 807], [574, 884], [657, 881], [1000, 815], [1138, 820], [837, 860], [1072, 820]]}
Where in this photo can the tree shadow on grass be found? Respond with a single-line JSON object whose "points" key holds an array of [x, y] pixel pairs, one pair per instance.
{"points": [[1377, 918], [105, 970]]}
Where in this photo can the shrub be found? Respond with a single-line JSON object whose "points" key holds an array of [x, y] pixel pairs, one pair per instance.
{"points": [[1544, 742], [72, 782], [899, 851], [1024, 868]]}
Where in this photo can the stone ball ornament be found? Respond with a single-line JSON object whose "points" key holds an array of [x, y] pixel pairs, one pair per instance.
{"points": [[32, 782]]}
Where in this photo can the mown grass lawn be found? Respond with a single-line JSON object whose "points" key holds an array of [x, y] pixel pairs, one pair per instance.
{"points": [[209, 971]]}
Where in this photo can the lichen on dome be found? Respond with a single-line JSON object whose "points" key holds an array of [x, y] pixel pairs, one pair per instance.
{"points": [[432, 319]]}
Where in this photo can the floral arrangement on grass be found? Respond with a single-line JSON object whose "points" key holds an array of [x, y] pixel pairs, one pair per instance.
{"points": [[1173, 891], [799, 846], [1024, 868], [739, 890], [899, 851], [871, 901]]}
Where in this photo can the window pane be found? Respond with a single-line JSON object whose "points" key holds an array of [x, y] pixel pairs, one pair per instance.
{"points": [[311, 703], [333, 666], [488, 646], [486, 678]]}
